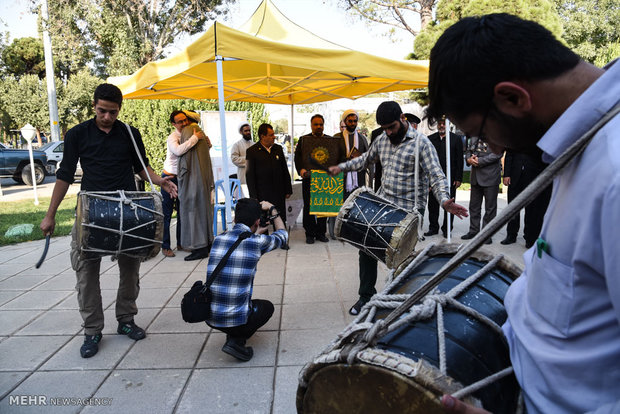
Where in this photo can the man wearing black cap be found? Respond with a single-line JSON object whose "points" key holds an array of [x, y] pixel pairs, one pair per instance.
{"points": [[395, 148], [413, 120]]}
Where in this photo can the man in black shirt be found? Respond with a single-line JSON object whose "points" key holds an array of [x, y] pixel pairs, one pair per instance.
{"points": [[108, 158]]}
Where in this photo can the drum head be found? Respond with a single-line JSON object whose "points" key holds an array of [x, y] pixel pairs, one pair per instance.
{"points": [[403, 241], [359, 388]]}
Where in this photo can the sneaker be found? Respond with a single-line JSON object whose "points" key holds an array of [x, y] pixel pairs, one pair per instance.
{"points": [[131, 330], [322, 238], [91, 345], [355, 309], [309, 240], [237, 349]]}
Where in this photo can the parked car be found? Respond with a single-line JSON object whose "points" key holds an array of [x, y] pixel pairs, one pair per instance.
{"points": [[54, 151], [15, 163], [78, 170]]}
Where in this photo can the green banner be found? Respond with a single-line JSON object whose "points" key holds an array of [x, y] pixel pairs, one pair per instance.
{"points": [[325, 193]]}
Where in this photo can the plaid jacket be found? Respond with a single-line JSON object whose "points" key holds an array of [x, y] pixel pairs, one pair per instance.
{"points": [[232, 289], [398, 162]]}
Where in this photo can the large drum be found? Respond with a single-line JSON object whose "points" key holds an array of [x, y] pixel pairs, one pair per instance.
{"points": [[380, 228], [120, 222], [450, 343]]}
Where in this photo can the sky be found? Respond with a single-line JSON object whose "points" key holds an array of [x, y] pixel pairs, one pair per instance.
{"points": [[322, 17]]}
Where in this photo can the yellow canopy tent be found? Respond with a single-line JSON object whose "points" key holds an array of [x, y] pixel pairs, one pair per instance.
{"points": [[270, 60]]}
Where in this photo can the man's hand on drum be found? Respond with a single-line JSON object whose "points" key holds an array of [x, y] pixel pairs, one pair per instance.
{"points": [[454, 406], [334, 170], [47, 225], [458, 210]]}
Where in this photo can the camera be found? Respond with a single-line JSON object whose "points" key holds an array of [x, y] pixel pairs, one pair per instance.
{"points": [[264, 219]]}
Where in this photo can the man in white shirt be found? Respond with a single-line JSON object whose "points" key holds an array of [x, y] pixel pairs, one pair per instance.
{"points": [[173, 151], [527, 92], [239, 148]]}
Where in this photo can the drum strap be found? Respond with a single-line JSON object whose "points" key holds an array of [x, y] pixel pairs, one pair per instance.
{"points": [[133, 140]]}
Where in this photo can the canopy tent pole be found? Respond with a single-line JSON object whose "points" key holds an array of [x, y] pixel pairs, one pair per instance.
{"points": [[292, 140], [448, 177], [220, 96]]}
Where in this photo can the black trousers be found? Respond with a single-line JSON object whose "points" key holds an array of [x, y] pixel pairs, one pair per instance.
{"points": [[314, 227], [534, 212], [433, 213], [260, 313]]}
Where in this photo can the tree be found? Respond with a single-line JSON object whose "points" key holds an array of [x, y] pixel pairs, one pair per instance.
{"points": [[75, 103], [24, 100], [451, 11], [280, 126], [591, 28], [24, 56], [395, 13], [125, 35]]}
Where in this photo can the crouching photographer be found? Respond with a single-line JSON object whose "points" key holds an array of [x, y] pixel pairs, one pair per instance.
{"points": [[233, 311]]}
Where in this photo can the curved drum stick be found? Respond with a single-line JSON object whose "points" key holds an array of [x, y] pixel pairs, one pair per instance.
{"points": [[47, 246]]}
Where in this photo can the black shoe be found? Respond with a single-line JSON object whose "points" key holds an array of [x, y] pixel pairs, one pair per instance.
{"points": [[489, 241], [355, 309], [131, 330], [237, 348], [309, 240], [468, 236], [285, 247], [198, 254], [445, 234], [529, 244], [91, 345], [322, 238], [431, 232], [508, 240]]}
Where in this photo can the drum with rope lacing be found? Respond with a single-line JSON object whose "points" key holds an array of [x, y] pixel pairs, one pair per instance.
{"points": [[449, 343], [119, 222]]}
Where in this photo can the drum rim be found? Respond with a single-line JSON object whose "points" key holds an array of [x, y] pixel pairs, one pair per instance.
{"points": [[415, 382], [505, 264]]}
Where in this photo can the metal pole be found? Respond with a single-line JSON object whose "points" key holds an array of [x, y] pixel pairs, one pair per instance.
{"points": [[448, 177], [220, 98], [49, 74], [292, 141], [34, 178]]}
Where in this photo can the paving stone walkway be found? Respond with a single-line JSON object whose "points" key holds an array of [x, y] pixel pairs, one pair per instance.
{"points": [[179, 367]]}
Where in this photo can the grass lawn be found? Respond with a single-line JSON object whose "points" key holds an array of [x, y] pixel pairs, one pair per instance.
{"points": [[21, 212]]}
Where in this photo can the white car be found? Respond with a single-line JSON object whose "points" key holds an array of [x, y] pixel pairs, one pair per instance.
{"points": [[54, 151]]}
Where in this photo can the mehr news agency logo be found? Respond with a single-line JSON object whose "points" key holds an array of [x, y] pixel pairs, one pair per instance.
{"points": [[43, 400]]}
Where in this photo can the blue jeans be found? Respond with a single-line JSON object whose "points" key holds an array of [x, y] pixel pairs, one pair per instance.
{"points": [[168, 204]]}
